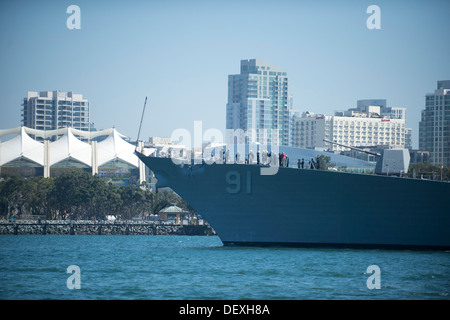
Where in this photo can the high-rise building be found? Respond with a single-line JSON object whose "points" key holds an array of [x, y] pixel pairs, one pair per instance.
{"points": [[363, 126], [258, 101], [434, 127], [408, 138], [293, 114], [49, 110]]}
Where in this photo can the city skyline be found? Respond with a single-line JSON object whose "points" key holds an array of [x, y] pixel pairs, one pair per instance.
{"points": [[180, 54]]}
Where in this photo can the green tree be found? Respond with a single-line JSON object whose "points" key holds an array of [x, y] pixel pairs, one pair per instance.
{"points": [[72, 194], [114, 201], [42, 200], [427, 170], [324, 162], [164, 198], [16, 196], [135, 201], [75, 194]]}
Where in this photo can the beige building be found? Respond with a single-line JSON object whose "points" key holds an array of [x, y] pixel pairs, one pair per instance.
{"points": [[352, 128]]}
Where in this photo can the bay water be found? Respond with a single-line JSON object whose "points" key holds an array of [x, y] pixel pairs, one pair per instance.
{"points": [[35, 267]]}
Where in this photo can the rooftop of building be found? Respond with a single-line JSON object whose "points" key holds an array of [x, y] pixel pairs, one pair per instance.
{"points": [[56, 94], [22, 150]]}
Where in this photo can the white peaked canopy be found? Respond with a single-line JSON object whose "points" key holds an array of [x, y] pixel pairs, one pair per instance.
{"points": [[68, 150], [50, 133], [115, 148], [20, 147], [68, 147]]}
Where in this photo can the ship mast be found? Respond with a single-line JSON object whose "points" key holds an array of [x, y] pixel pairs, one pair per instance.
{"points": [[140, 125]]}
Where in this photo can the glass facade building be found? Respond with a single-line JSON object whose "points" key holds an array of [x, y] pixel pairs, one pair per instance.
{"points": [[258, 101], [434, 127]]}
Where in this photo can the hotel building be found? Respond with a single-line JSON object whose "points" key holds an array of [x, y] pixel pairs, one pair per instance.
{"points": [[363, 126]]}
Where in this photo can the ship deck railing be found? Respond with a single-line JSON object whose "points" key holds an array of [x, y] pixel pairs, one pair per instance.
{"points": [[307, 166]]}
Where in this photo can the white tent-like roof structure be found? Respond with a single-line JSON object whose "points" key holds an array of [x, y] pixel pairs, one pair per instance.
{"points": [[114, 148], [68, 150], [57, 132], [21, 147]]}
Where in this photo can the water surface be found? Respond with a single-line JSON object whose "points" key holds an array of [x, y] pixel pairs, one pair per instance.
{"points": [[199, 267]]}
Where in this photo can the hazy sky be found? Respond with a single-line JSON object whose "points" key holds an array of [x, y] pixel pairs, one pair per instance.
{"points": [[180, 53]]}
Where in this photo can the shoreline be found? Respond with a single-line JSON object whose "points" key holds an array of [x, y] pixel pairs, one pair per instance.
{"points": [[90, 227]]}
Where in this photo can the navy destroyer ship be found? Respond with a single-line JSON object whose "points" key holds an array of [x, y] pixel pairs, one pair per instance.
{"points": [[311, 208]]}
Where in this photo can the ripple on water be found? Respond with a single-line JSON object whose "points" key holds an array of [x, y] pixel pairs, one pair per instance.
{"points": [[181, 267]]}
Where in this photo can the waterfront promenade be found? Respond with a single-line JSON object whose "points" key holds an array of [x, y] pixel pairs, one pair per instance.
{"points": [[89, 227]]}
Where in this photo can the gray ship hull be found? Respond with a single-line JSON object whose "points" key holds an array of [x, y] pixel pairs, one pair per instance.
{"points": [[311, 208]]}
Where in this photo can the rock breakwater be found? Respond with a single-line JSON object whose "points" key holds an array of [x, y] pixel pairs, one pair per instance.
{"points": [[88, 227]]}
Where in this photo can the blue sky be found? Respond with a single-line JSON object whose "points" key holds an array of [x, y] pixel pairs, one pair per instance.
{"points": [[180, 53]]}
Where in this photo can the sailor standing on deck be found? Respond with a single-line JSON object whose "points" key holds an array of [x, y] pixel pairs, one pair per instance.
{"points": [[283, 159], [250, 157]]}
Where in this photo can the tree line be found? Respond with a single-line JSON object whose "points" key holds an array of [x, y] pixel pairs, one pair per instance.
{"points": [[427, 170], [77, 194], [420, 170]]}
